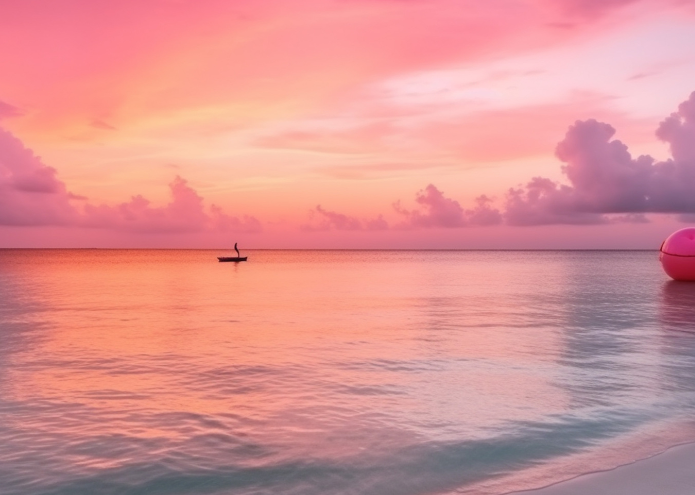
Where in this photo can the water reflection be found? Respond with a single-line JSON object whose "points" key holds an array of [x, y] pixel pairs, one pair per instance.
{"points": [[22, 317], [610, 312], [314, 372], [677, 311], [677, 318]]}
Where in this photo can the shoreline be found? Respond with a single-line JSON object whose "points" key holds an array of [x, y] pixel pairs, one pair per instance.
{"points": [[667, 473]]}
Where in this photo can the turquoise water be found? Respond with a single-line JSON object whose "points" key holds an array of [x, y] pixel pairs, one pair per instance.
{"points": [[336, 372]]}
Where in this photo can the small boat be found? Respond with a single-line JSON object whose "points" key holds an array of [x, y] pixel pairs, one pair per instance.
{"points": [[233, 259]]}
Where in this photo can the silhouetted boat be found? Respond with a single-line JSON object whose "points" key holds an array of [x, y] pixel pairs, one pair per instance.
{"points": [[233, 259]]}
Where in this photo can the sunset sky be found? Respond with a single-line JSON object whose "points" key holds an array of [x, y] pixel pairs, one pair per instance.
{"points": [[346, 123]]}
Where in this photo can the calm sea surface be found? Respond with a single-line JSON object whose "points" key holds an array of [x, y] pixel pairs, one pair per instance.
{"points": [[336, 372]]}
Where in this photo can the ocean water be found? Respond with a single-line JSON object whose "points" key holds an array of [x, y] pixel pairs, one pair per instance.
{"points": [[336, 372]]}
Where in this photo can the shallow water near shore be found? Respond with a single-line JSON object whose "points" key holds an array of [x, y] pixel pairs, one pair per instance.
{"points": [[342, 372]]}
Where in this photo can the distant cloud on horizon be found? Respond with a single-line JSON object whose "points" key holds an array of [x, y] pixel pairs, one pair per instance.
{"points": [[606, 184], [605, 178], [436, 210], [32, 195]]}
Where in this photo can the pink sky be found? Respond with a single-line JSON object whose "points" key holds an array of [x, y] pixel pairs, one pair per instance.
{"points": [[346, 123]]}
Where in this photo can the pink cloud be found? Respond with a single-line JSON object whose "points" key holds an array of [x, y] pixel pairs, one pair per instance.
{"points": [[544, 202], [185, 213], [7, 110], [440, 211], [678, 130], [606, 185], [606, 179], [32, 194], [222, 222], [589, 9], [435, 211], [322, 219], [100, 124]]}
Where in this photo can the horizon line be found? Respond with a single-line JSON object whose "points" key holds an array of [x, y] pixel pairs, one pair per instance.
{"points": [[322, 249]]}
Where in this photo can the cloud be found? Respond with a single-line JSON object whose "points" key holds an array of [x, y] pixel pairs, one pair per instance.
{"points": [[483, 214], [629, 218], [100, 124], [220, 221], [678, 130], [606, 185], [31, 194], [440, 211], [185, 213], [589, 9], [7, 110], [435, 211], [605, 178], [322, 219], [544, 202]]}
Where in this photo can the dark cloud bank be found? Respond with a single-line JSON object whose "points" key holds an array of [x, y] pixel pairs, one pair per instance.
{"points": [[606, 184]]}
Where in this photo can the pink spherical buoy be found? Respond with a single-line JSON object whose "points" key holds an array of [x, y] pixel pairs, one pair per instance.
{"points": [[678, 255]]}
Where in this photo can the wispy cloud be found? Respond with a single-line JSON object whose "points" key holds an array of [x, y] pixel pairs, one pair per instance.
{"points": [[7, 110], [100, 124], [322, 219]]}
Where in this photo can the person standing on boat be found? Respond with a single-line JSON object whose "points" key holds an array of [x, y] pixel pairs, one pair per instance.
{"points": [[237, 251]]}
